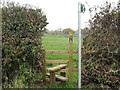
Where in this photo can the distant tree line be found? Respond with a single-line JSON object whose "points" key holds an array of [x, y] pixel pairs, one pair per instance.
{"points": [[61, 32], [66, 31]]}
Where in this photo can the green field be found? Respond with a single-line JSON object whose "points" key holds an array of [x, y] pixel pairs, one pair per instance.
{"points": [[60, 42]]}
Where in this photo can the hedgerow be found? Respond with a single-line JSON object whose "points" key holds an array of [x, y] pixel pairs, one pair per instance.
{"points": [[22, 29], [101, 68]]}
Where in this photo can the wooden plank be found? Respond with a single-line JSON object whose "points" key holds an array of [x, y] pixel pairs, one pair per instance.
{"points": [[56, 68], [64, 75], [62, 78], [75, 51], [57, 61], [67, 51], [52, 77], [56, 51], [67, 70], [60, 51]]}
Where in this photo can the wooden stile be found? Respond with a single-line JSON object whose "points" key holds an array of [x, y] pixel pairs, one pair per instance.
{"points": [[62, 67], [52, 73]]}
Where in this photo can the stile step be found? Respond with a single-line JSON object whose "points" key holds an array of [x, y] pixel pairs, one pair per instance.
{"points": [[56, 68], [62, 78]]}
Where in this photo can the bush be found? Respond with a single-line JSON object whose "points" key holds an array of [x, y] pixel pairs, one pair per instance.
{"points": [[103, 65], [22, 28]]}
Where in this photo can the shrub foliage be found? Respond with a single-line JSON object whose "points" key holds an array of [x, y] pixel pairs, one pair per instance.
{"points": [[22, 28], [103, 65]]}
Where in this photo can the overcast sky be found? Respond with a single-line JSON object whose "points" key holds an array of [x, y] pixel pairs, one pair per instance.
{"points": [[63, 13]]}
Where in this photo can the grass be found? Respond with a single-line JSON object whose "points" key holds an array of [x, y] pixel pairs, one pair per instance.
{"points": [[60, 42]]}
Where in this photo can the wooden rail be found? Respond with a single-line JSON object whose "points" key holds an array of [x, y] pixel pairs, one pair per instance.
{"points": [[57, 61], [67, 51], [60, 51], [66, 70], [57, 68], [59, 77]]}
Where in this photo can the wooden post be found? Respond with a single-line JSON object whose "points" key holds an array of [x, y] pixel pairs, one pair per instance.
{"points": [[52, 78], [44, 67], [64, 75], [70, 57]]}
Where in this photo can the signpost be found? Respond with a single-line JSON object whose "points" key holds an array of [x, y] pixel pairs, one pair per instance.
{"points": [[81, 9]]}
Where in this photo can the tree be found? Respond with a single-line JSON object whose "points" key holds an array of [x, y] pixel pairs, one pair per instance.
{"points": [[68, 30]]}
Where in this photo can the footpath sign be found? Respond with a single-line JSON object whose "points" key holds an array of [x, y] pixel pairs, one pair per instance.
{"points": [[81, 9]]}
